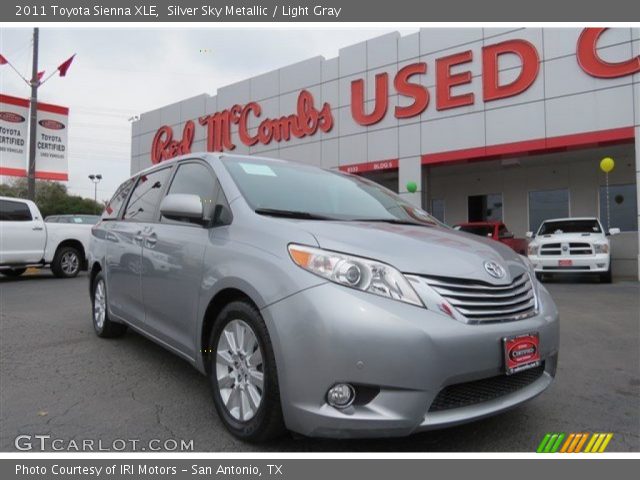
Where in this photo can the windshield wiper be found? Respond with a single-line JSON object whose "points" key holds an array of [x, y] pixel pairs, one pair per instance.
{"points": [[396, 221], [274, 212]]}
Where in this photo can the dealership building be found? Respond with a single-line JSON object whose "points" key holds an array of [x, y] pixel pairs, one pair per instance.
{"points": [[490, 124]]}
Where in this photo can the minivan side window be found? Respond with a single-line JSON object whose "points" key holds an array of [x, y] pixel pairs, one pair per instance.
{"points": [[146, 196], [112, 210], [196, 179], [14, 211]]}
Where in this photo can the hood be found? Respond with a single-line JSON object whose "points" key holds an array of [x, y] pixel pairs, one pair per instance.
{"points": [[419, 250], [569, 237]]}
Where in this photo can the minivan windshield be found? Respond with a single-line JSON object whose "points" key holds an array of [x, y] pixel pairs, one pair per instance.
{"points": [[305, 192], [570, 226]]}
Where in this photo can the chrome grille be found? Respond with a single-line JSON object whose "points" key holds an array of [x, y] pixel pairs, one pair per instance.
{"points": [[580, 249], [551, 249], [484, 302]]}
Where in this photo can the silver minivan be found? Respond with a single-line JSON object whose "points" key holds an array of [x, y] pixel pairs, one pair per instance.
{"points": [[319, 302]]}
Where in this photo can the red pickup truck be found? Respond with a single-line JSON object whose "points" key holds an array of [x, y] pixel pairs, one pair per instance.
{"points": [[496, 230]]}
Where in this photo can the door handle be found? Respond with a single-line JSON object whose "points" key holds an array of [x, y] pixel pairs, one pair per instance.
{"points": [[138, 237], [151, 240], [37, 227]]}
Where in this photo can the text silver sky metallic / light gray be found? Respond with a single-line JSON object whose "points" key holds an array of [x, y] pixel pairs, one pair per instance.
{"points": [[317, 301]]}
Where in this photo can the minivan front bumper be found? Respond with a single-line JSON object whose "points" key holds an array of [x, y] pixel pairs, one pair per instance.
{"points": [[405, 355]]}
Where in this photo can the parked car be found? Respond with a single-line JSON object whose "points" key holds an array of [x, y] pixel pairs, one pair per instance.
{"points": [[27, 241], [497, 231], [77, 219], [572, 245], [318, 301]]}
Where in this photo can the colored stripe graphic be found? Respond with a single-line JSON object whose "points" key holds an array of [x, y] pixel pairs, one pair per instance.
{"points": [[598, 442], [550, 443], [574, 442]]}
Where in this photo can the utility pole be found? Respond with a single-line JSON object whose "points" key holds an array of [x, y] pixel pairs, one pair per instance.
{"points": [[33, 120]]}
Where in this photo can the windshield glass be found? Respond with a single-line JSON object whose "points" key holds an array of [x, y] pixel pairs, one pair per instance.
{"points": [[570, 226], [311, 191], [482, 230]]}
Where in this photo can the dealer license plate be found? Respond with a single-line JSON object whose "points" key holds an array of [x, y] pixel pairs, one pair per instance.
{"points": [[521, 352], [565, 263]]}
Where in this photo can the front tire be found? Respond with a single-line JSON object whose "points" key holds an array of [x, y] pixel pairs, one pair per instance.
{"points": [[242, 371], [13, 272], [102, 325], [66, 262], [606, 277]]}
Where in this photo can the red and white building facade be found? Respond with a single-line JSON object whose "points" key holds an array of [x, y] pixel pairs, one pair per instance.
{"points": [[493, 123]]}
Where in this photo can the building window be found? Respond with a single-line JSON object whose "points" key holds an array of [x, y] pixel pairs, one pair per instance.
{"points": [[622, 206], [437, 208], [546, 204], [484, 208]]}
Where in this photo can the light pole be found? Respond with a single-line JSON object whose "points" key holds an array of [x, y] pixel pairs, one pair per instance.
{"points": [[96, 180]]}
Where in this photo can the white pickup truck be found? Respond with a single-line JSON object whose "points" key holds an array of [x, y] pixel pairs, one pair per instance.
{"points": [[571, 245], [27, 241]]}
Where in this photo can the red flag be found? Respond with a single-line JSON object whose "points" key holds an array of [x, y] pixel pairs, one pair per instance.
{"points": [[64, 66], [40, 75], [3, 60]]}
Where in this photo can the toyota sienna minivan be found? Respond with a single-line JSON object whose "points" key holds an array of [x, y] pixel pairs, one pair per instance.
{"points": [[319, 302]]}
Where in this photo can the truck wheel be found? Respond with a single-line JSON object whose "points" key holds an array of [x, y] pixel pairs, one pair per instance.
{"points": [[66, 262], [103, 327], [13, 272], [606, 277], [243, 374]]}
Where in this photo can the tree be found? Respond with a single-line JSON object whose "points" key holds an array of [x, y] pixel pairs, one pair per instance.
{"points": [[52, 198]]}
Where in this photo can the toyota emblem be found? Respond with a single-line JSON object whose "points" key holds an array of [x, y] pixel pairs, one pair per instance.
{"points": [[493, 269]]}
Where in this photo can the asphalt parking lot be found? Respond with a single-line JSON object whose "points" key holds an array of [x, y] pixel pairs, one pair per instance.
{"points": [[57, 378]]}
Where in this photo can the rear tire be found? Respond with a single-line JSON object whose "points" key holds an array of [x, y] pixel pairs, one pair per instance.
{"points": [[102, 325], [242, 374], [66, 262], [14, 272]]}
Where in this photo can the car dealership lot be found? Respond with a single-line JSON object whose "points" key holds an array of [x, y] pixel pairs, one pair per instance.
{"points": [[57, 378]]}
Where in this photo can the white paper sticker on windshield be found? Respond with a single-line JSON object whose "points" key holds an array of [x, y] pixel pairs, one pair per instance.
{"points": [[257, 169]]}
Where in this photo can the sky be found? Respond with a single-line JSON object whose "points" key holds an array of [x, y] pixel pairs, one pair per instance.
{"points": [[120, 73]]}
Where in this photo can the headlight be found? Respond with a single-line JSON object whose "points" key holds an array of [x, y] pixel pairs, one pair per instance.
{"points": [[532, 249], [355, 272], [601, 247]]}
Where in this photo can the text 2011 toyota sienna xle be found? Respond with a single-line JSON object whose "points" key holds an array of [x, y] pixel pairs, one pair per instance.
{"points": [[317, 301]]}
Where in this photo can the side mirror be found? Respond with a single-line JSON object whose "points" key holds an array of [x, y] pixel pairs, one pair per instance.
{"points": [[614, 231], [529, 235], [182, 207]]}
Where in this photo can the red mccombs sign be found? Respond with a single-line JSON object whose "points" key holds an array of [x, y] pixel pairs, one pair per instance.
{"points": [[309, 119]]}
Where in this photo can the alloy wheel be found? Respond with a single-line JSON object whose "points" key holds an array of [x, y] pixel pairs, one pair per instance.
{"points": [[69, 263], [240, 370], [99, 304]]}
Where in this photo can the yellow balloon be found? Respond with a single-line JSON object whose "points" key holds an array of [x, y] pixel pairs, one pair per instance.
{"points": [[607, 164]]}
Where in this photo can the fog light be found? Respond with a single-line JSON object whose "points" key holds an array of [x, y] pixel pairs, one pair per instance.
{"points": [[341, 395]]}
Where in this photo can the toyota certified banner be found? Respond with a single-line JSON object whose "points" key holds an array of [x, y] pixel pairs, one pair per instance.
{"points": [[51, 139], [14, 127], [51, 142]]}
